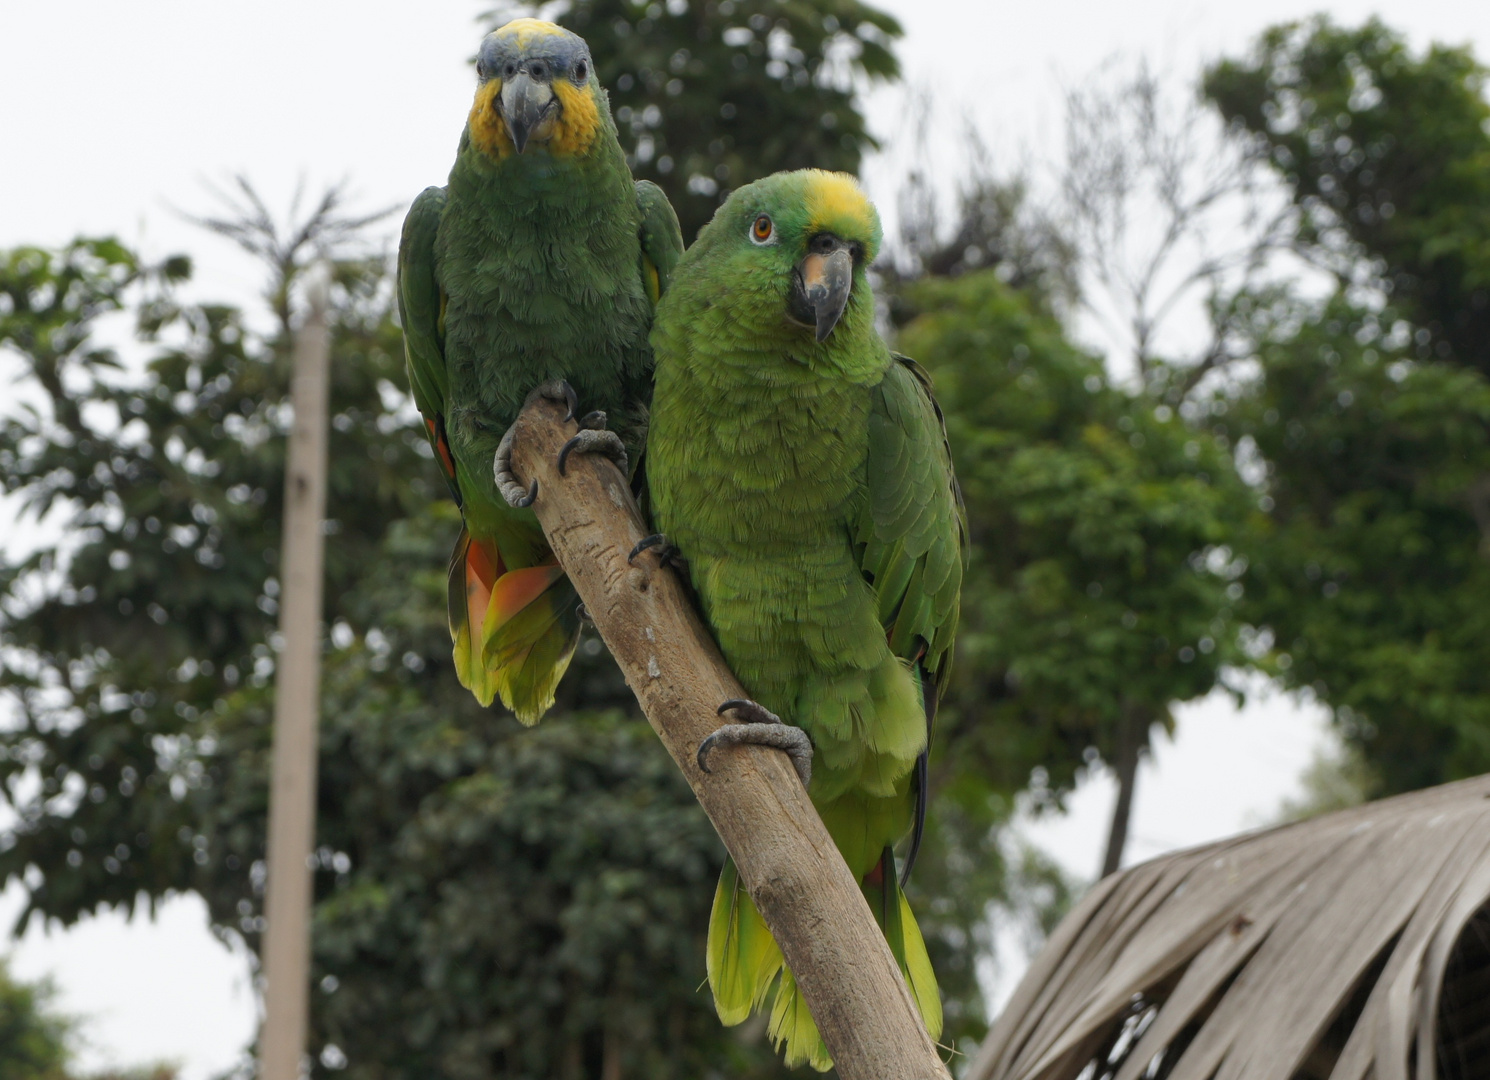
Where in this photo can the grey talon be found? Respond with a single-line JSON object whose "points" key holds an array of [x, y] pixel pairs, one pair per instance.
{"points": [[582, 613], [667, 554], [557, 390], [596, 442], [527, 500], [704, 749], [750, 712], [644, 543]]}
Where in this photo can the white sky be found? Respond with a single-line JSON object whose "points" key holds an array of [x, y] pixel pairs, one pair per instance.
{"points": [[114, 113]]}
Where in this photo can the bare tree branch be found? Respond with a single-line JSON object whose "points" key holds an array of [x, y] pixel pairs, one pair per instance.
{"points": [[287, 247], [1163, 207]]}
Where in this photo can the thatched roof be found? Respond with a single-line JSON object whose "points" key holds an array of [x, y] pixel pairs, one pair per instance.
{"points": [[1350, 946]]}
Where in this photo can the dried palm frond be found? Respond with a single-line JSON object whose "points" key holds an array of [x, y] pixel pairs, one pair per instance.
{"points": [[1349, 946]]}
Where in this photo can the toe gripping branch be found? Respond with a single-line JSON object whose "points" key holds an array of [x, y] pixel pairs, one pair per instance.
{"points": [[593, 438], [516, 495], [760, 727], [667, 554]]}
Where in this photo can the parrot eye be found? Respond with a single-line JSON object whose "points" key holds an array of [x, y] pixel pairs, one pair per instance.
{"points": [[581, 72], [763, 230]]}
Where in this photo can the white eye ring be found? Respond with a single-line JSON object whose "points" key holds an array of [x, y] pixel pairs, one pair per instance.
{"points": [[759, 238]]}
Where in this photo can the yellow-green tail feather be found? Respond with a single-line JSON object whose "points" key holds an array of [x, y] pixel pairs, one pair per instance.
{"points": [[742, 956], [744, 961], [907, 946], [513, 632]]}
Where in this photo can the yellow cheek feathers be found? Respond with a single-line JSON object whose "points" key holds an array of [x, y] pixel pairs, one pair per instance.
{"points": [[488, 131], [574, 130], [579, 120]]}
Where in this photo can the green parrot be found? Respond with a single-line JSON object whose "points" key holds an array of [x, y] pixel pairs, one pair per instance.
{"points": [[535, 269], [799, 470]]}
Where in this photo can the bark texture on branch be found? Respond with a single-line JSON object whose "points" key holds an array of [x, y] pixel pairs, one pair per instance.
{"points": [[790, 865]]}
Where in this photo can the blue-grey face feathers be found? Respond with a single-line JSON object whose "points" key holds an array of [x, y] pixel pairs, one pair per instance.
{"points": [[541, 54]]}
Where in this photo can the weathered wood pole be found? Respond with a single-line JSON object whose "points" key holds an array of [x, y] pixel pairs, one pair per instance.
{"points": [[798, 880], [292, 795]]}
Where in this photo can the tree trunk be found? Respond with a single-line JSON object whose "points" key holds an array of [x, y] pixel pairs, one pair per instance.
{"points": [[1131, 739], [793, 871]]}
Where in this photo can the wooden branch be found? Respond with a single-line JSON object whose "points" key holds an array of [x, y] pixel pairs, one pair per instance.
{"points": [[790, 865]]}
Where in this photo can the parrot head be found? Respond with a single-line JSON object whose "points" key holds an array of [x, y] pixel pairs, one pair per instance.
{"points": [[801, 242], [536, 88]]}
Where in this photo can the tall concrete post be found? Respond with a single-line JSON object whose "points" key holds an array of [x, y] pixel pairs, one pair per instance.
{"points": [[292, 797]]}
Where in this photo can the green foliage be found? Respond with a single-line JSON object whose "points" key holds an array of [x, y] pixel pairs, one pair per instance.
{"points": [[1100, 583], [1388, 155], [33, 1039], [1371, 569], [709, 95]]}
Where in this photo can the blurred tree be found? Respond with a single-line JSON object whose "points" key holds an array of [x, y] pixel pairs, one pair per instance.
{"points": [[33, 1037], [1371, 418], [1101, 586], [1388, 158], [1134, 158], [712, 94]]}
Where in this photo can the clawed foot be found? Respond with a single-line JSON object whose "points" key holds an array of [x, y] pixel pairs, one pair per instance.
{"points": [[760, 727], [593, 438], [667, 554], [596, 440]]}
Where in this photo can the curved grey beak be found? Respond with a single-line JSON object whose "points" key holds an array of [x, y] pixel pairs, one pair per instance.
{"points": [[823, 282], [525, 103]]}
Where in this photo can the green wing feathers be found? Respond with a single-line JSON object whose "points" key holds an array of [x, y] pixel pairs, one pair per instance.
{"points": [[661, 238], [913, 541], [421, 309], [913, 529]]}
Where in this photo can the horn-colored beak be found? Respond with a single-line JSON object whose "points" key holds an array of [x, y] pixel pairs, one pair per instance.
{"points": [[526, 104], [824, 281]]}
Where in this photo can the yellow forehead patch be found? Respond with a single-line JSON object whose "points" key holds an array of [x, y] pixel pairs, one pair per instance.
{"points": [[528, 30], [836, 204]]}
